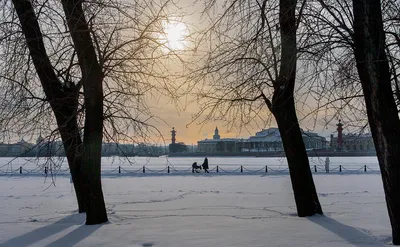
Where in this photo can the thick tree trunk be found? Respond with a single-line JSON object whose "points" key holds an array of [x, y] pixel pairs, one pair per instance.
{"points": [[63, 100], [373, 69], [92, 77], [283, 108], [96, 212], [73, 149], [305, 194]]}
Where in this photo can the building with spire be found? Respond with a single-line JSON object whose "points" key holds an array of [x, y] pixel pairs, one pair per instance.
{"points": [[217, 145], [266, 140], [216, 135]]}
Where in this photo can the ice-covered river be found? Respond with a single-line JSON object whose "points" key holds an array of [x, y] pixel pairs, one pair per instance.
{"points": [[183, 164]]}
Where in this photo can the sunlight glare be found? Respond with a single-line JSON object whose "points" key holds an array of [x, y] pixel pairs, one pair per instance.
{"points": [[175, 33]]}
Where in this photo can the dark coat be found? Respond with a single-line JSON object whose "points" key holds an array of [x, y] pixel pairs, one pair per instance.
{"points": [[205, 164]]}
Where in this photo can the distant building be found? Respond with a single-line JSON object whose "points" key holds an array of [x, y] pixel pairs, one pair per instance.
{"points": [[216, 135], [266, 140], [21, 148], [143, 149], [313, 140], [270, 139], [125, 149], [42, 148], [217, 145], [46, 148], [3, 149], [352, 142], [109, 149]]}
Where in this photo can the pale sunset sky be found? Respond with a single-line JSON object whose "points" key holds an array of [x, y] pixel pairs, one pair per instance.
{"points": [[181, 117], [179, 114]]}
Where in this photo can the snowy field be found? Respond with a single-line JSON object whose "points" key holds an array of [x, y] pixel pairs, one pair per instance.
{"points": [[196, 210], [182, 165]]}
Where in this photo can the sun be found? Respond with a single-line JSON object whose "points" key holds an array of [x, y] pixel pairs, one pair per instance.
{"points": [[174, 35]]}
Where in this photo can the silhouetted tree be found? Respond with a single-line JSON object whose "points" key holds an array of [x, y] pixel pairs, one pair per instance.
{"points": [[92, 81], [95, 62], [62, 97], [383, 118], [326, 53], [252, 64], [358, 42]]}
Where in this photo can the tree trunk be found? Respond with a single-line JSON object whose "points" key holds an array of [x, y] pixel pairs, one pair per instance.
{"points": [[73, 149], [373, 69], [305, 194], [96, 212], [92, 78], [283, 108], [63, 100]]}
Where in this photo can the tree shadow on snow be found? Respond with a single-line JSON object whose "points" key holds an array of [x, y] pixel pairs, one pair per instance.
{"points": [[348, 233], [45, 231], [75, 236]]}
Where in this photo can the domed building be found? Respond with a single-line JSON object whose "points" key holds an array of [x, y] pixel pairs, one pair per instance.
{"points": [[266, 140]]}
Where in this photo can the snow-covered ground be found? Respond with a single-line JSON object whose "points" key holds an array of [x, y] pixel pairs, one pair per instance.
{"points": [[196, 210]]}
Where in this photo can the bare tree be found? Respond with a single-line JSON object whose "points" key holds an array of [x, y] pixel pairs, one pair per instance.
{"points": [[326, 52], [73, 53], [374, 71], [92, 81], [251, 65], [367, 31], [63, 98]]}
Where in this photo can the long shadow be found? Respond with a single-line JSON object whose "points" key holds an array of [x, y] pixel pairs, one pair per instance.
{"points": [[348, 233], [75, 236], [45, 231]]}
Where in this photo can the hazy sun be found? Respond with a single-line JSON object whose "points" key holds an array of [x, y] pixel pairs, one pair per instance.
{"points": [[174, 34]]}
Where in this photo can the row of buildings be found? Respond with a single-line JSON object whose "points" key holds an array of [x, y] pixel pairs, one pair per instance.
{"points": [[266, 140], [351, 142], [269, 140], [44, 148]]}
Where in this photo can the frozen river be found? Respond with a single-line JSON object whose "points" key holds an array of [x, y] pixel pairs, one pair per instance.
{"points": [[183, 164]]}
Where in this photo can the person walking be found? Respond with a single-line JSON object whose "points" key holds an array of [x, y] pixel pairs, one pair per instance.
{"points": [[205, 165]]}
